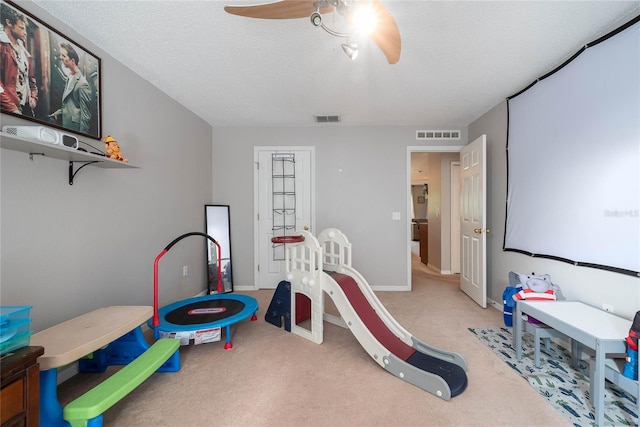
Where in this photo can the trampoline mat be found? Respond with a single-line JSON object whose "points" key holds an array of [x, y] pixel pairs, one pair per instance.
{"points": [[205, 311]]}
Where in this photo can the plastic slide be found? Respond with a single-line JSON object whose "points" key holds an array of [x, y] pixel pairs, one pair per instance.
{"points": [[323, 265]]}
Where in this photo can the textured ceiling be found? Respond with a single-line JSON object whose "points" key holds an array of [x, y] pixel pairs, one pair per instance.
{"points": [[459, 58]]}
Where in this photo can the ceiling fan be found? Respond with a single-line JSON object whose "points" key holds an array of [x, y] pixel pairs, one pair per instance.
{"points": [[385, 34]]}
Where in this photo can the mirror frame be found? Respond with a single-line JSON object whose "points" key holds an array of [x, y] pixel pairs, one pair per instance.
{"points": [[218, 226]]}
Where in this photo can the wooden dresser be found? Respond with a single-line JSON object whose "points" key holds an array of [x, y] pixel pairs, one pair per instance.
{"points": [[20, 394]]}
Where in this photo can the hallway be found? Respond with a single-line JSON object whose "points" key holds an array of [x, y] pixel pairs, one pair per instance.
{"points": [[420, 272]]}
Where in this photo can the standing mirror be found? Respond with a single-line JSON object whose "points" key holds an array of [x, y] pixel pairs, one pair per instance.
{"points": [[218, 227]]}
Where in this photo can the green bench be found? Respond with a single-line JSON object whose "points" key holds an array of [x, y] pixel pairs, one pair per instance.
{"points": [[87, 409]]}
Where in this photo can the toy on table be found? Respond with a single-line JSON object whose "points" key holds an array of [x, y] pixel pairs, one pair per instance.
{"points": [[631, 365], [527, 287], [536, 287], [113, 149]]}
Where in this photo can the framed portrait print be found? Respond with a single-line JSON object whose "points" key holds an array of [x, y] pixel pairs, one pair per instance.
{"points": [[46, 77]]}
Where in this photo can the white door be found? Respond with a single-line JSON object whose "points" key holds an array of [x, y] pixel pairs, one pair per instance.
{"points": [[283, 199], [473, 225], [455, 217]]}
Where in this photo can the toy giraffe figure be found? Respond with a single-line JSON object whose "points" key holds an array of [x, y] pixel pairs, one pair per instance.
{"points": [[113, 149]]}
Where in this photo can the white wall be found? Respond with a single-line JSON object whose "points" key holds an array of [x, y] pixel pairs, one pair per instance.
{"points": [[372, 184], [65, 249], [359, 200], [589, 285]]}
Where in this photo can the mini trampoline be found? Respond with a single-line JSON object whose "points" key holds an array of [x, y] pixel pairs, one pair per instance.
{"points": [[199, 316]]}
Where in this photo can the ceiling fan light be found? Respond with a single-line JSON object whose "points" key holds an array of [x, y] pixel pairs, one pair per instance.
{"points": [[364, 19], [351, 49]]}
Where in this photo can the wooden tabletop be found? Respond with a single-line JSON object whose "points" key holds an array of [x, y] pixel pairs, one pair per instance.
{"points": [[69, 341]]}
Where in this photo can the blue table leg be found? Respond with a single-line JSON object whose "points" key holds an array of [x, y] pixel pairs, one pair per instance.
{"points": [[119, 352], [50, 409]]}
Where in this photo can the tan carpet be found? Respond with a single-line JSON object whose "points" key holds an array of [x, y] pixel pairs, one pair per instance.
{"points": [[274, 378]]}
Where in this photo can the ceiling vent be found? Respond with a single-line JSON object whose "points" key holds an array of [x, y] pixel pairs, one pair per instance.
{"points": [[426, 135], [327, 119]]}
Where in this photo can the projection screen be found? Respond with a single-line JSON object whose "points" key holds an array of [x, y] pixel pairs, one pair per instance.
{"points": [[573, 155]]}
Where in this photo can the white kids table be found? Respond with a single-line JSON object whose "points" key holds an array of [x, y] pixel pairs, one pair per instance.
{"points": [[596, 329]]}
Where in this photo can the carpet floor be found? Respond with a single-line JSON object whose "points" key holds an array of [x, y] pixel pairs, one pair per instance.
{"points": [[565, 388]]}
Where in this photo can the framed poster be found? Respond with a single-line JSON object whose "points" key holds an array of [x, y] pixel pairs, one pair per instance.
{"points": [[46, 77]]}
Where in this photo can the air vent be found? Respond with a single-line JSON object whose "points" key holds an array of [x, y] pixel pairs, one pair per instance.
{"points": [[425, 135], [327, 119]]}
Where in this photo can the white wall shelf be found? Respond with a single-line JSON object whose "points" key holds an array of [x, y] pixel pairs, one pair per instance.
{"points": [[37, 148]]}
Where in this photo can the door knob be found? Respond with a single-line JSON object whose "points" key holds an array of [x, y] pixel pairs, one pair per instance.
{"points": [[306, 228], [477, 230]]}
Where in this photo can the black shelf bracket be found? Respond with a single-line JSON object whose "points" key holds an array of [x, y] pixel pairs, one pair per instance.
{"points": [[72, 173]]}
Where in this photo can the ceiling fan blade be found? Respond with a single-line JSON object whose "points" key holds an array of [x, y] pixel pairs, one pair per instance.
{"points": [[386, 35], [284, 9]]}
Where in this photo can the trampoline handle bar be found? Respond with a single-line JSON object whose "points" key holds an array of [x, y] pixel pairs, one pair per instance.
{"points": [[155, 321], [195, 233]]}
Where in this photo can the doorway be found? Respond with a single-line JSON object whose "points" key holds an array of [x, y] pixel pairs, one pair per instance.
{"points": [[441, 230], [455, 215]]}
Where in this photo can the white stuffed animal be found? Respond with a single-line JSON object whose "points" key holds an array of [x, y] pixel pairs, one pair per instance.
{"points": [[538, 287], [541, 283]]}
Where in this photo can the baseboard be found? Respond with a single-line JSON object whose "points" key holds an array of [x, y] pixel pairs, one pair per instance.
{"points": [[498, 306], [336, 320], [434, 268]]}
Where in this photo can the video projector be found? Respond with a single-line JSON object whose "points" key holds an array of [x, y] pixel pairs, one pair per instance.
{"points": [[42, 134]]}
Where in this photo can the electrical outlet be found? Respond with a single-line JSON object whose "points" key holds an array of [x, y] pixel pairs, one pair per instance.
{"points": [[185, 270], [608, 308], [395, 216]]}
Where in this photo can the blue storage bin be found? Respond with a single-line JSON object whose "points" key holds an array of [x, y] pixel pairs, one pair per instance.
{"points": [[14, 328]]}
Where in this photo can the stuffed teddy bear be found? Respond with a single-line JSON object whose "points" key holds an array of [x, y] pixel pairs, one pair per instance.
{"points": [[541, 283], [113, 149], [536, 287]]}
